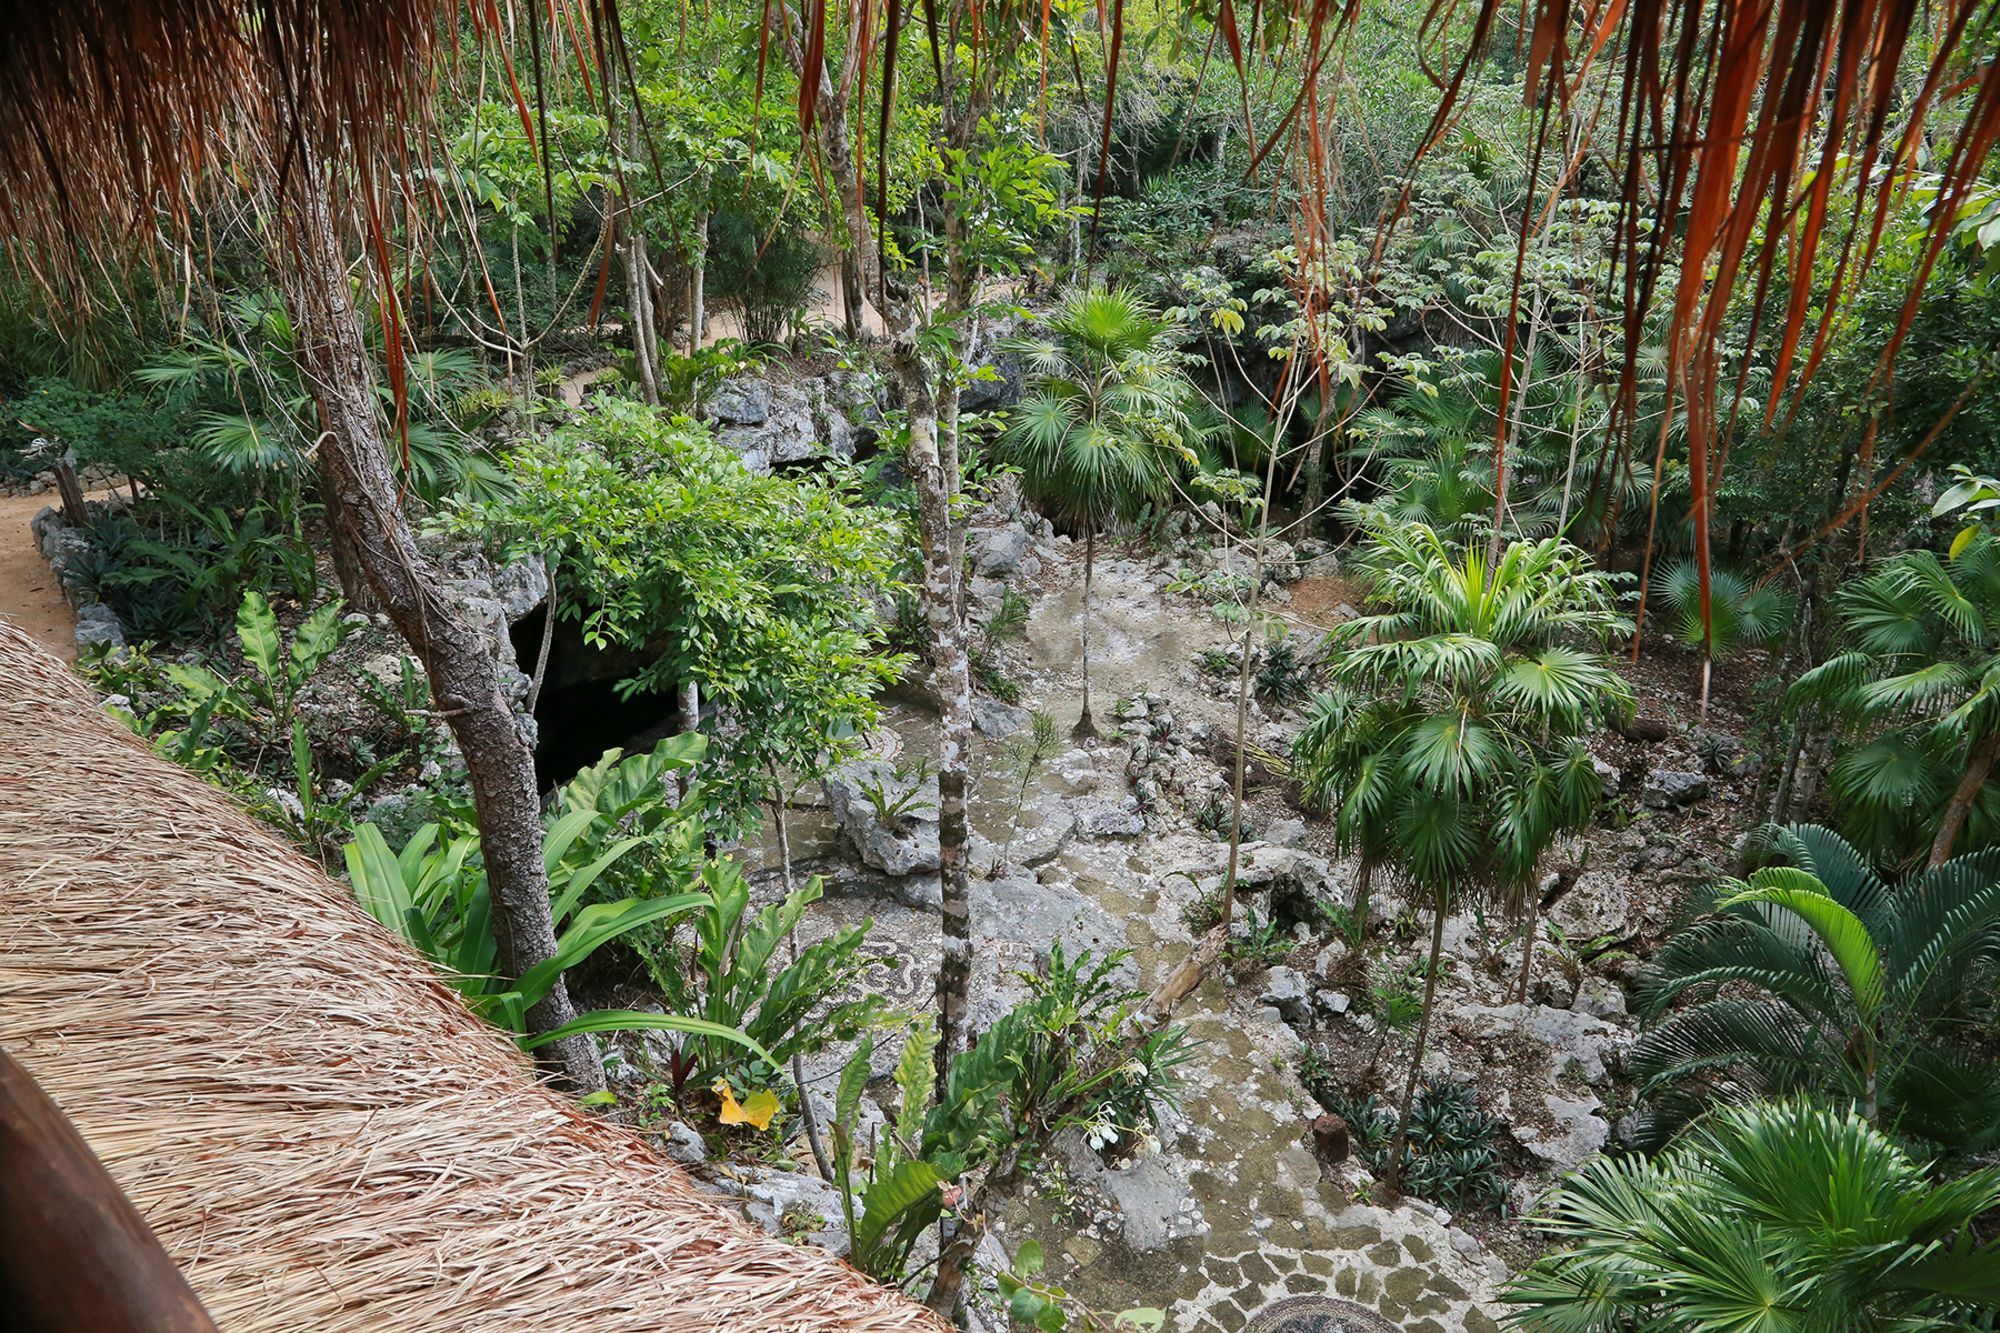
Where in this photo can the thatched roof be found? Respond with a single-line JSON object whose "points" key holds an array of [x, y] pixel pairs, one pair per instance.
{"points": [[117, 110], [318, 1131]]}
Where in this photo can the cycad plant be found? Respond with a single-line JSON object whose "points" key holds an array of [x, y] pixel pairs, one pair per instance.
{"points": [[1919, 695], [1779, 1217], [1817, 974], [1450, 745], [1104, 422]]}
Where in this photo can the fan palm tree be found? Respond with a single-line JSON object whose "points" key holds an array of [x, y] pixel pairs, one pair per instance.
{"points": [[1779, 1217], [1741, 615], [1450, 743], [1104, 422], [1819, 974], [1920, 688]]}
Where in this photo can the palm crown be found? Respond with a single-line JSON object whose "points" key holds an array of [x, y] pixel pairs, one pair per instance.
{"points": [[1774, 1218], [1453, 728], [1819, 974], [1920, 687], [1105, 416]]}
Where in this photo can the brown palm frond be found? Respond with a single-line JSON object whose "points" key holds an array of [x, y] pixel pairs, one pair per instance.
{"points": [[1736, 121], [316, 1128]]}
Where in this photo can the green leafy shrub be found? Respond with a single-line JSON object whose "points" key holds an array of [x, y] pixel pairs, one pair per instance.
{"points": [[433, 893], [1067, 1057], [761, 588], [732, 975]]}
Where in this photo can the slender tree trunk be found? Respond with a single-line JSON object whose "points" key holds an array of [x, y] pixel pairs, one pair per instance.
{"points": [[850, 295], [1085, 724], [1528, 945], [464, 682], [952, 679], [1977, 766], [1392, 1181], [806, 1113], [1364, 883], [697, 285]]}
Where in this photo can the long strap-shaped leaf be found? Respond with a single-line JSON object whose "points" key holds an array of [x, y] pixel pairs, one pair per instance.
{"points": [[1841, 931]]}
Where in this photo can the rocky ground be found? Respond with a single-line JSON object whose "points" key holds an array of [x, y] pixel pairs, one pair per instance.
{"points": [[1116, 846], [1120, 843]]}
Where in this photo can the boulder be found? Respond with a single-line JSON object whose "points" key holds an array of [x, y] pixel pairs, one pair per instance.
{"points": [[888, 818], [792, 1203], [97, 623], [1101, 817], [1287, 991], [1580, 1132], [1285, 832], [998, 552], [1598, 903], [520, 587], [1670, 789], [996, 718], [771, 424], [741, 400]]}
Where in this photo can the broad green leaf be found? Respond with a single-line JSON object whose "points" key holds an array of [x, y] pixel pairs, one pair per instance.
{"points": [[257, 627], [634, 1020]]}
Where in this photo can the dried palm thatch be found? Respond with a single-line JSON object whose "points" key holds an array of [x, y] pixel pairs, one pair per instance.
{"points": [[120, 112], [318, 1131]]}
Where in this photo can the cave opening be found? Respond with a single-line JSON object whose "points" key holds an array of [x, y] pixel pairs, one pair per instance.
{"points": [[580, 713]]}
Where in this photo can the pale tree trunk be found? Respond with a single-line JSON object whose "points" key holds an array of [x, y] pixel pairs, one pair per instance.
{"points": [[1085, 725], [806, 1114], [933, 467], [361, 498], [953, 681], [638, 285], [1392, 1181], [1978, 765], [697, 283]]}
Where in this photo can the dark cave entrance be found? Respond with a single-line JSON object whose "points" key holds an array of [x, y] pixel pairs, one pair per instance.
{"points": [[580, 713]]}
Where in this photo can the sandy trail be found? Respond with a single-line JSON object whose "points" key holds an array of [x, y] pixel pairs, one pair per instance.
{"points": [[30, 595]]}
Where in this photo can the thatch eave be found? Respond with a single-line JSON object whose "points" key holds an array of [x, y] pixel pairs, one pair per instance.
{"points": [[318, 1131]]}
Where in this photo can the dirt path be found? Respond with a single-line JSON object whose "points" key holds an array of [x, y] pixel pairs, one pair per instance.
{"points": [[30, 596]]}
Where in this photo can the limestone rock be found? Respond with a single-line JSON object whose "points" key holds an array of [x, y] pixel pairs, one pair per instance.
{"points": [[1668, 789], [997, 718], [887, 817]]}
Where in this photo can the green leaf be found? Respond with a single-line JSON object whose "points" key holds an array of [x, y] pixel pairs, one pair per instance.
{"points": [[906, 1195], [634, 1020], [257, 627], [1028, 1259], [596, 926], [1842, 932]]}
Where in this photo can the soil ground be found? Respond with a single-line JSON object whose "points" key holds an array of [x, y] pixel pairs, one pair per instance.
{"points": [[30, 597]]}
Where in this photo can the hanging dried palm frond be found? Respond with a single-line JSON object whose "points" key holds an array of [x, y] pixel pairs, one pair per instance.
{"points": [[1737, 120]]}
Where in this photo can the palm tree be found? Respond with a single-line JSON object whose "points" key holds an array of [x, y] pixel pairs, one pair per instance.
{"points": [[1921, 687], [1104, 421], [1450, 744], [1817, 974], [1741, 614], [1777, 1216]]}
